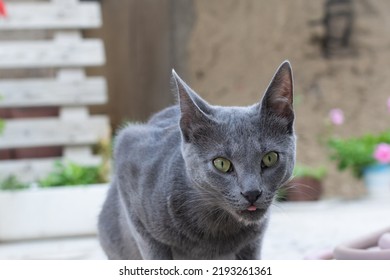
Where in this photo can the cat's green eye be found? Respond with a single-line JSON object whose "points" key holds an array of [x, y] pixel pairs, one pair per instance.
{"points": [[270, 159], [222, 164]]}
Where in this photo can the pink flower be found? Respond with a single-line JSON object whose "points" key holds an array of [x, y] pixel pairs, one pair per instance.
{"points": [[336, 116], [388, 104], [3, 11], [382, 153]]}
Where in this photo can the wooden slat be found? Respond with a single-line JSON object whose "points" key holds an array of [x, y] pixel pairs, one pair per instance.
{"points": [[148, 46], [51, 92], [51, 16], [20, 133], [55, 53], [75, 114], [29, 170]]}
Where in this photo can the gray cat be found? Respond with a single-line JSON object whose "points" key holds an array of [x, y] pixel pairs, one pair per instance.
{"points": [[196, 181]]}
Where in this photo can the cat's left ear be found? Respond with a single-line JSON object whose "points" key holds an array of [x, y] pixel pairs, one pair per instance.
{"points": [[278, 99]]}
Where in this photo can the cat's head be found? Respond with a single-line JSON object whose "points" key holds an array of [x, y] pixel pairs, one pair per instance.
{"points": [[237, 157]]}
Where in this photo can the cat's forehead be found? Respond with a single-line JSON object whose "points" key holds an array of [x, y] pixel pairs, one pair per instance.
{"points": [[246, 126], [234, 115]]}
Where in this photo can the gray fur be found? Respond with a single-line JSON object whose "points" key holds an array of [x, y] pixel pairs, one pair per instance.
{"points": [[168, 201]]}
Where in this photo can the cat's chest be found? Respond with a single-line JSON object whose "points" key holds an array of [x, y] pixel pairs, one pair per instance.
{"points": [[187, 256], [221, 247]]}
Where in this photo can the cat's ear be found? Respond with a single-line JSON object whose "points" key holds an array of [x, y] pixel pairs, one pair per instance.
{"points": [[278, 98], [195, 112]]}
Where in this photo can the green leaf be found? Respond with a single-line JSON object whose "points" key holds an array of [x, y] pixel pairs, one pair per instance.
{"points": [[356, 153], [72, 174], [305, 171], [2, 125], [11, 183]]}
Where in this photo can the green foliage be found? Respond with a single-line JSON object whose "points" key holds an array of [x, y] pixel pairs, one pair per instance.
{"points": [[72, 174], [356, 153], [300, 171], [11, 183], [64, 174], [2, 125], [313, 172]]}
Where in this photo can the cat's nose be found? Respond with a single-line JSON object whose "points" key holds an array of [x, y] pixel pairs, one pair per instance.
{"points": [[252, 196]]}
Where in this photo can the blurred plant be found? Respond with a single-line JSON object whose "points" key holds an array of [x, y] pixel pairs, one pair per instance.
{"points": [[336, 116], [359, 152], [3, 10], [69, 173], [388, 104], [11, 183], [2, 125], [382, 153], [317, 173], [306, 184], [64, 174], [104, 148], [72, 174]]}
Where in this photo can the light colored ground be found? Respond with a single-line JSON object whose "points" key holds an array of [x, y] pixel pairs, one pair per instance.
{"points": [[298, 230], [295, 230]]}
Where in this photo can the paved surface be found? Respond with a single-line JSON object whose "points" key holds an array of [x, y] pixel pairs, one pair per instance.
{"points": [[299, 230], [295, 230]]}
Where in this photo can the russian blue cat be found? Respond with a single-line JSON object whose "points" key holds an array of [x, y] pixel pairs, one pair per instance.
{"points": [[196, 181]]}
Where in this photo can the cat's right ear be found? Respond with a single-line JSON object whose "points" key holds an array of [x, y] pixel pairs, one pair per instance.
{"points": [[194, 110], [278, 99]]}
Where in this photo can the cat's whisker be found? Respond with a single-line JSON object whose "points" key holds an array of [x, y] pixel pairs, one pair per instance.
{"points": [[278, 206], [293, 188]]}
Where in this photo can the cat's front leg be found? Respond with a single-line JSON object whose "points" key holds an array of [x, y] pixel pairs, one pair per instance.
{"points": [[155, 251], [252, 251], [151, 249]]}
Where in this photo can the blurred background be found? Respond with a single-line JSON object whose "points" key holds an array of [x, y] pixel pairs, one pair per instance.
{"points": [[226, 50]]}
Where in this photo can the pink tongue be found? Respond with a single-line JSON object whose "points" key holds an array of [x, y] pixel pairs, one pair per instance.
{"points": [[252, 208]]}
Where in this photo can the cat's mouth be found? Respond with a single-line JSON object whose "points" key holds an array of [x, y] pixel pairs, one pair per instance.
{"points": [[251, 213]]}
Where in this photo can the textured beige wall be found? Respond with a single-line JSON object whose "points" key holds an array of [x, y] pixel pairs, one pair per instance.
{"points": [[236, 46]]}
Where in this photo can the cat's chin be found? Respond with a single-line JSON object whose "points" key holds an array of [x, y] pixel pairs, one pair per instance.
{"points": [[251, 216]]}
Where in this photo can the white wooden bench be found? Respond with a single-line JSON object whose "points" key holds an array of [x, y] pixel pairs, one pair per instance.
{"points": [[68, 53]]}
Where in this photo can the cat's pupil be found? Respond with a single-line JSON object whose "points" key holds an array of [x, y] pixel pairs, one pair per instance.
{"points": [[222, 164], [270, 159]]}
